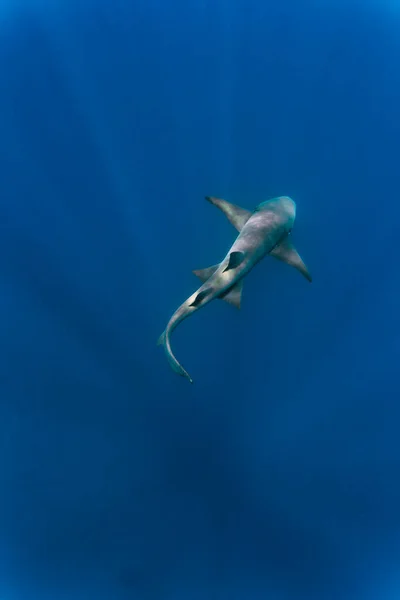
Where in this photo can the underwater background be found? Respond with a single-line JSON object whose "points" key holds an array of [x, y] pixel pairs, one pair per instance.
{"points": [[276, 476]]}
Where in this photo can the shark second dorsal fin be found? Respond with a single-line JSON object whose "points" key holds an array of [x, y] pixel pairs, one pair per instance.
{"points": [[235, 214], [201, 296], [204, 274], [286, 252], [234, 294]]}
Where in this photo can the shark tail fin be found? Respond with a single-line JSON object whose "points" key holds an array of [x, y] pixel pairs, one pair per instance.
{"points": [[161, 339]]}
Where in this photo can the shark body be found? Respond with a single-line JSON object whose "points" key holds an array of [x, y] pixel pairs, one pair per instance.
{"points": [[263, 231]]}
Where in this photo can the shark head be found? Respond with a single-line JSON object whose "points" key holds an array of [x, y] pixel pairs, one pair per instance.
{"points": [[287, 205], [283, 206]]}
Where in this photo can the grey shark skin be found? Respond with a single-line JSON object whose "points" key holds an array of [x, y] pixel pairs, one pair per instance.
{"points": [[264, 231]]}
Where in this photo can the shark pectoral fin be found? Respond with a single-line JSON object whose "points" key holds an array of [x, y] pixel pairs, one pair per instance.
{"points": [[235, 214], [204, 274], [235, 259], [234, 294], [288, 254]]}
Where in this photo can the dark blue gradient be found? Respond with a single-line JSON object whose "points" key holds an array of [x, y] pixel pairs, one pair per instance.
{"points": [[276, 475]]}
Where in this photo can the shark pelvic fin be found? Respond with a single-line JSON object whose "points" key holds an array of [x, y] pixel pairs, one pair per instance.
{"points": [[234, 294], [235, 259], [235, 214], [204, 274], [286, 252]]}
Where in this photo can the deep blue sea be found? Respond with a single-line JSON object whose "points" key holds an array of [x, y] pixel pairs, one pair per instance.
{"points": [[276, 476]]}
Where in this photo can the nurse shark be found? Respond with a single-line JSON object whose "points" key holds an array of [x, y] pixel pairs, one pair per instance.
{"points": [[264, 231]]}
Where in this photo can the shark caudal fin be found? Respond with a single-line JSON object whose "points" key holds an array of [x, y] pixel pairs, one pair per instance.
{"points": [[161, 339], [286, 252]]}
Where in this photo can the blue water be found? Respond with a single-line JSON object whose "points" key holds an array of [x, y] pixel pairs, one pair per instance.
{"points": [[276, 475]]}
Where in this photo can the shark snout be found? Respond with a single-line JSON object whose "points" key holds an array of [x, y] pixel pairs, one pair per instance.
{"points": [[289, 206]]}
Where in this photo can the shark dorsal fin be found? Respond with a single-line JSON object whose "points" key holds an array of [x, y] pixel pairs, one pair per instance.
{"points": [[235, 259], [235, 214], [286, 252], [234, 294], [201, 296], [204, 274]]}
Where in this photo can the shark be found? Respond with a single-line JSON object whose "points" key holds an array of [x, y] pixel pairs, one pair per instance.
{"points": [[264, 231]]}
